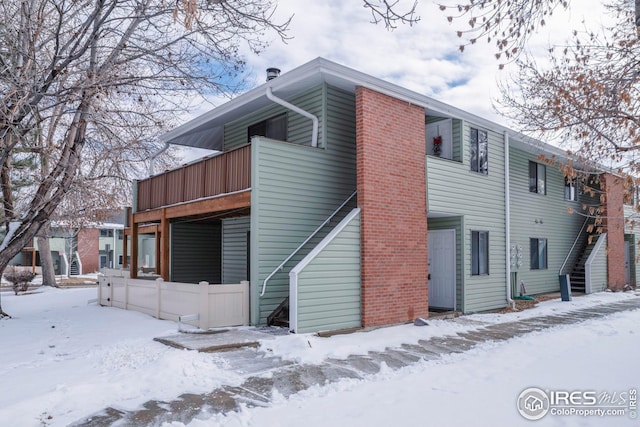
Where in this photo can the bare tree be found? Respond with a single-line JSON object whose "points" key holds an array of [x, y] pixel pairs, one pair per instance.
{"points": [[510, 24], [76, 71], [389, 13]]}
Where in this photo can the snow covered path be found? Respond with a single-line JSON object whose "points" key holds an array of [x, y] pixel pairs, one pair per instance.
{"points": [[66, 359]]}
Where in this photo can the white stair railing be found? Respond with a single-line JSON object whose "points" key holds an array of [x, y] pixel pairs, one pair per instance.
{"points": [[278, 268]]}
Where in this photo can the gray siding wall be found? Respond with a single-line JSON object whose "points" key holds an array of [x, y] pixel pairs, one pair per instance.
{"points": [[455, 223], [453, 189], [599, 269], [329, 286], [234, 249], [294, 189], [542, 216], [299, 127], [196, 252]]}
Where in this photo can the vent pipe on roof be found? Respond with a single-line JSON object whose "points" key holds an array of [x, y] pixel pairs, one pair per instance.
{"points": [[272, 73]]}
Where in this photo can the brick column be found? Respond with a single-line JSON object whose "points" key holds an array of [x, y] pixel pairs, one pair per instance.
{"points": [[614, 227], [390, 139], [89, 249]]}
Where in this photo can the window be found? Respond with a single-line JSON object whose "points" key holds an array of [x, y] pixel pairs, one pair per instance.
{"points": [[537, 178], [274, 128], [570, 191], [106, 233], [631, 196], [440, 138], [479, 151], [538, 254], [479, 253]]}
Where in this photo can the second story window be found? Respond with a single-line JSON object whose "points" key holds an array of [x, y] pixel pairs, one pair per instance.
{"points": [[537, 178], [570, 189], [479, 151], [106, 233], [273, 128]]}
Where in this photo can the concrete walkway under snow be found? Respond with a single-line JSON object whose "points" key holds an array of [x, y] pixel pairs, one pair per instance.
{"points": [[266, 374]]}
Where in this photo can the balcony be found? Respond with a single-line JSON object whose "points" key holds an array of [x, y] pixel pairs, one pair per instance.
{"points": [[225, 173]]}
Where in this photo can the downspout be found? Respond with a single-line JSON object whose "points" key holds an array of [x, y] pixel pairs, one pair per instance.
{"points": [[507, 220], [314, 119], [152, 162]]}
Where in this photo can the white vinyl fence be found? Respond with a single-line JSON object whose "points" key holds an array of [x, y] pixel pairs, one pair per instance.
{"points": [[203, 305]]}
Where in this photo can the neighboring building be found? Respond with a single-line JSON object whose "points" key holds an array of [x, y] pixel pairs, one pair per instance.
{"points": [[78, 251], [435, 207]]}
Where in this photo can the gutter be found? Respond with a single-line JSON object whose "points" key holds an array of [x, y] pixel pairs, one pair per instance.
{"points": [[507, 220], [314, 119]]}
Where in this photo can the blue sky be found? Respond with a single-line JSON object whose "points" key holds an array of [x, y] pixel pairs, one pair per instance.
{"points": [[424, 58]]}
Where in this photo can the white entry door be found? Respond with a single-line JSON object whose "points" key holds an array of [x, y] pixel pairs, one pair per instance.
{"points": [[442, 269]]}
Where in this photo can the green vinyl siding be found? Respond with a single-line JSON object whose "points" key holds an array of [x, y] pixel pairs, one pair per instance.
{"points": [[456, 224], [599, 268], [299, 127], [234, 249], [454, 190], [632, 234], [294, 189], [543, 216], [196, 252], [329, 285]]}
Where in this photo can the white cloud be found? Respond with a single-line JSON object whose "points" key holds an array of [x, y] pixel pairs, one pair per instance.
{"points": [[424, 58]]}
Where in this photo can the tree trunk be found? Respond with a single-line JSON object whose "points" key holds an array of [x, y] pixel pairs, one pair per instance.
{"points": [[638, 17], [46, 260], [2, 313]]}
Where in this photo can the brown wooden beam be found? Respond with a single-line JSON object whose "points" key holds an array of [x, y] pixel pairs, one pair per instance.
{"points": [[216, 204], [200, 207], [134, 251], [125, 237], [158, 251]]}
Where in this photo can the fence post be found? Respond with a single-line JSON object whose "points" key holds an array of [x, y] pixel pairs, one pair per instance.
{"points": [[159, 281], [203, 309], [111, 286], [245, 302], [100, 283]]}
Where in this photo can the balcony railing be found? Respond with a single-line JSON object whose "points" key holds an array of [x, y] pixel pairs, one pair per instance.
{"points": [[226, 172]]}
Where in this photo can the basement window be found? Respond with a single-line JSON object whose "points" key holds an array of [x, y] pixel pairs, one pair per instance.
{"points": [[273, 128]]}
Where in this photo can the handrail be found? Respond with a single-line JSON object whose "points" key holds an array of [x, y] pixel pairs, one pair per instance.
{"points": [[264, 284], [575, 242]]}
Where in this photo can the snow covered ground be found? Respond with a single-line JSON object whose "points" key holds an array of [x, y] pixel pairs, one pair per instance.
{"points": [[63, 359]]}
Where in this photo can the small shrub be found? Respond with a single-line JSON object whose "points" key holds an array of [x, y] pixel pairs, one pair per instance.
{"points": [[19, 279]]}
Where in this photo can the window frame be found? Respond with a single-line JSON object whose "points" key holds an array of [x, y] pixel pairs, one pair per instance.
{"points": [[538, 254], [479, 244], [262, 128], [476, 143], [534, 178], [571, 184]]}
